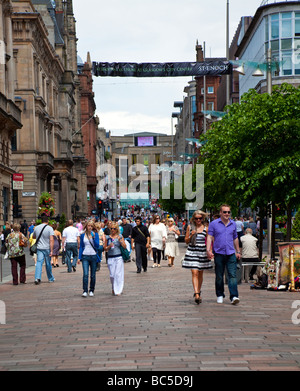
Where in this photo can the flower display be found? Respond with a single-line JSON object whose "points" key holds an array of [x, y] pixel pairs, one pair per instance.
{"points": [[46, 205]]}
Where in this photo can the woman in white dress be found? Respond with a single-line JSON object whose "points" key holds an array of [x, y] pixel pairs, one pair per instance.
{"points": [[172, 249], [115, 263], [158, 235]]}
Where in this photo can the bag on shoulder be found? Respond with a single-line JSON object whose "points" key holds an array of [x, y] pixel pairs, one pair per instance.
{"points": [[33, 249], [125, 253], [22, 242]]}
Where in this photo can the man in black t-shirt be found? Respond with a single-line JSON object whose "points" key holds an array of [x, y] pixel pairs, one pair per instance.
{"points": [[140, 241]]}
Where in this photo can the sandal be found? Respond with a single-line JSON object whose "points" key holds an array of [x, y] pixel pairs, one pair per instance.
{"points": [[198, 300]]}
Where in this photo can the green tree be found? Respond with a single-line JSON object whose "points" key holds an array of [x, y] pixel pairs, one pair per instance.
{"points": [[296, 226], [62, 222], [253, 154]]}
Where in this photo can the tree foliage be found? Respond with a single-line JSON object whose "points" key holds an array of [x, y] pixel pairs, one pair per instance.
{"points": [[253, 154]]}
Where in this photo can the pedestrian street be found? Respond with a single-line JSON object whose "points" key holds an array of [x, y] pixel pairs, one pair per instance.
{"points": [[154, 325]]}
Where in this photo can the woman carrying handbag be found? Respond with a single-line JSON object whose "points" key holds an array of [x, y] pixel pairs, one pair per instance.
{"points": [[89, 245], [112, 244], [15, 243], [195, 258]]}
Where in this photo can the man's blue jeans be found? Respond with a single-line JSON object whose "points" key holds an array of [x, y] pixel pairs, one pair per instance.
{"points": [[89, 261], [230, 262], [71, 251], [43, 255]]}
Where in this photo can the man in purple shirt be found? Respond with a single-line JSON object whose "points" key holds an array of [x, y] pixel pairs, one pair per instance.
{"points": [[223, 240]]}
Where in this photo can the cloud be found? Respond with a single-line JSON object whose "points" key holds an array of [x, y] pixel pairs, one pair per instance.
{"points": [[122, 122], [156, 31]]}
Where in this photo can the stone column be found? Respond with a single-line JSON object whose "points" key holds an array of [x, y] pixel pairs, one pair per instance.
{"points": [[2, 52], [65, 205], [10, 63]]}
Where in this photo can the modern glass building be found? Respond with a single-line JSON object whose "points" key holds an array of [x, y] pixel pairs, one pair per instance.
{"points": [[275, 26]]}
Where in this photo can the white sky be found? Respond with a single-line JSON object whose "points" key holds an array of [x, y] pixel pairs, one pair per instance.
{"points": [[150, 31]]}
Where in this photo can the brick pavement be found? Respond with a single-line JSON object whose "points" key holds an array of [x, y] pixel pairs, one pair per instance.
{"points": [[153, 326]]}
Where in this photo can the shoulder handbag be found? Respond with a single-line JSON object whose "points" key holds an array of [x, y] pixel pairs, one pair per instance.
{"points": [[125, 253], [98, 257], [33, 248], [22, 242]]}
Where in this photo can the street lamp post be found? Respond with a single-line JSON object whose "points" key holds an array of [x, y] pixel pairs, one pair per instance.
{"points": [[227, 55]]}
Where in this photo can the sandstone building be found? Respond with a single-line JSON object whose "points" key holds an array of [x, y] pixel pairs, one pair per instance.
{"points": [[10, 114], [49, 149]]}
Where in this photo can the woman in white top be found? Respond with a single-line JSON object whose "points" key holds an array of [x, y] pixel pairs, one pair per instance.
{"points": [[172, 249], [112, 244], [158, 235], [89, 245]]}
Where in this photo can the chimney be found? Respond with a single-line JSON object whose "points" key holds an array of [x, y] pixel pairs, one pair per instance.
{"points": [[199, 53]]}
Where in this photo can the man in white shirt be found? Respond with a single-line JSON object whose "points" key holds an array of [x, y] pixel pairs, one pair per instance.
{"points": [[249, 252], [71, 242]]}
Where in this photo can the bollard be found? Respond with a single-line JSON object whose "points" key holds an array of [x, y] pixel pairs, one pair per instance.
{"points": [[292, 286]]}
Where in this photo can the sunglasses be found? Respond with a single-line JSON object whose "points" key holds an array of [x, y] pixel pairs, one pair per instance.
{"points": [[198, 218], [113, 228], [226, 212]]}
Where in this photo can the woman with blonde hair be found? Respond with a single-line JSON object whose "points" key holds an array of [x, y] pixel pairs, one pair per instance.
{"points": [[89, 244], [172, 249], [115, 263], [15, 243], [196, 256]]}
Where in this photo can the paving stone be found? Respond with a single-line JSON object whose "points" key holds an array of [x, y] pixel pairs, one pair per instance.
{"points": [[153, 326]]}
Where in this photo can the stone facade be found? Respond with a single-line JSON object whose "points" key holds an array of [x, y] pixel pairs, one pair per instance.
{"points": [[89, 126], [138, 163], [49, 150], [10, 113]]}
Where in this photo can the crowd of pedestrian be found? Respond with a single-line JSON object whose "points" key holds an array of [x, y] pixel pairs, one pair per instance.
{"points": [[217, 242]]}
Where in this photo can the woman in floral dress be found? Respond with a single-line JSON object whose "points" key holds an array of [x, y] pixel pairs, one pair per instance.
{"points": [[16, 254]]}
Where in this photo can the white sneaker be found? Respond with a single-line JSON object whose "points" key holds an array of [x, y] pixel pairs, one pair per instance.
{"points": [[235, 300], [84, 294], [220, 299], [91, 294]]}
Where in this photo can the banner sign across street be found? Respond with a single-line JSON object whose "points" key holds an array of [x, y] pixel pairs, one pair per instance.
{"points": [[124, 69]]}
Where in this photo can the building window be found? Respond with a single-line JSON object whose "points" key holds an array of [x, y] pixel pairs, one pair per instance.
{"points": [[297, 24], [287, 67], [14, 142], [157, 159], [210, 106], [281, 36], [274, 26], [210, 90], [286, 25], [146, 164]]}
